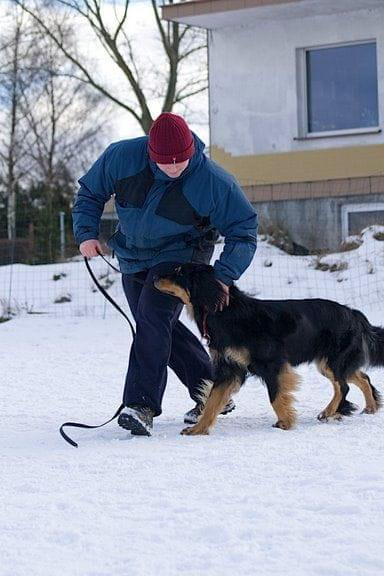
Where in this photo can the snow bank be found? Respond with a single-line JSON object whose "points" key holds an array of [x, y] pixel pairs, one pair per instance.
{"points": [[249, 499]]}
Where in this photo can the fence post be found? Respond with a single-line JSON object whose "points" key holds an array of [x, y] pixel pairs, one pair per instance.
{"points": [[62, 235]]}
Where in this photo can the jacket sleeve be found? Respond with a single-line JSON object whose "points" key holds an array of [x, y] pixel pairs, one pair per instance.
{"points": [[236, 220], [96, 188]]}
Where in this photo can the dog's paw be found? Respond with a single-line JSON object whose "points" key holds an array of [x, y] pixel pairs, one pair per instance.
{"points": [[187, 431], [193, 431], [324, 417], [369, 410], [282, 425], [338, 417]]}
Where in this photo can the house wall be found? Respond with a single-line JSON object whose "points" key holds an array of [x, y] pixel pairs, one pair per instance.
{"points": [[311, 212], [299, 185], [253, 85], [315, 223]]}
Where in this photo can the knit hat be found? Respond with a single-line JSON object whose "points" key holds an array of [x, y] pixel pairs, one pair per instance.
{"points": [[170, 140]]}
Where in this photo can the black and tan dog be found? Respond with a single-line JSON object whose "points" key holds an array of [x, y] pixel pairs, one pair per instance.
{"points": [[267, 338]]}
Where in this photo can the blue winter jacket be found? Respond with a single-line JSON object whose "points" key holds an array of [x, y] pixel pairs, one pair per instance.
{"points": [[163, 219]]}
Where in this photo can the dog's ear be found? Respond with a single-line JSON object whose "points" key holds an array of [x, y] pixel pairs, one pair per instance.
{"points": [[205, 290]]}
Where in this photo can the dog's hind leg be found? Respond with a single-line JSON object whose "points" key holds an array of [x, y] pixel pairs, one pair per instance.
{"points": [[230, 375], [331, 409], [371, 395], [338, 406], [281, 387], [345, 408]]}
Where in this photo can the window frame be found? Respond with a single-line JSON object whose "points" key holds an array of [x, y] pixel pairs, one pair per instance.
{"points": [[347, 209], [302, 94]]}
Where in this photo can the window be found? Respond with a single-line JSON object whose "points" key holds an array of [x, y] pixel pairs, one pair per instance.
{"points": [[356, 217], [338, 89]]}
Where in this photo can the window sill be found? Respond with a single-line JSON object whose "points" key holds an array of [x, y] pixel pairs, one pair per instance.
{"points": [[339, 133]]}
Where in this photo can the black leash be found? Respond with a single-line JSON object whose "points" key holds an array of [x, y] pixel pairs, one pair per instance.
{"points": [[112, 301], [105, 293], [78, 425]]}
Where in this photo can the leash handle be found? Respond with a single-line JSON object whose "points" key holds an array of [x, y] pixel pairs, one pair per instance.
{"points": [[78, 425], [109, 263]]}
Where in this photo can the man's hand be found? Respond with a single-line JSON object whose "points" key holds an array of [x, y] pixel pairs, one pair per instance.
{"points": [[225, 299], [90, 248]]}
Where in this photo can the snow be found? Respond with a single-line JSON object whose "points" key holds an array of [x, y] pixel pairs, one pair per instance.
{"points": [[249, 499]]}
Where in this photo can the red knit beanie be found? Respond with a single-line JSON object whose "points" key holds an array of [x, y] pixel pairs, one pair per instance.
{"points": [[170, 140]]}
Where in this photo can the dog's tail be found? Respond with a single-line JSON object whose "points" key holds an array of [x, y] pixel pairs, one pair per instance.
{"points": [[375, 344], [373, 338]]}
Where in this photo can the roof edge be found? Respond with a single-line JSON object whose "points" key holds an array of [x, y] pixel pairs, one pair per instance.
{"points": [[204, 7]]}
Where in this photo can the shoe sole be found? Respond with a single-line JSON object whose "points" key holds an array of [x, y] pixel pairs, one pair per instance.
{"points": [[135, 426], [228, 410], [223, 413]]}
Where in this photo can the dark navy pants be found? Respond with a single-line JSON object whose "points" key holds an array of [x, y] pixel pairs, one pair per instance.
{"points": [[161, 340]]}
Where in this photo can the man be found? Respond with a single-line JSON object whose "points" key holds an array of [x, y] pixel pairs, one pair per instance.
{"points": [[170, 200]]}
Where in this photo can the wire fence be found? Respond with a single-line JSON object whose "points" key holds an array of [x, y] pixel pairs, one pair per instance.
{"points": [[30, 283]]}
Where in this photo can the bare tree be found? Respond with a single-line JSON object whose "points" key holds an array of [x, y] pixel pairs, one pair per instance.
{"points": [[109, 23], [13, 50], [51, 123], [65, 121]]}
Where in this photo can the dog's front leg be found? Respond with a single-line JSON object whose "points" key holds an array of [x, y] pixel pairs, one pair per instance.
{"points": [[231, 372], [218, 398]]}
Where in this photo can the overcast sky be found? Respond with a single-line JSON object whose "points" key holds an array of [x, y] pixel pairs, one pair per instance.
{"points": [[142, 29]]}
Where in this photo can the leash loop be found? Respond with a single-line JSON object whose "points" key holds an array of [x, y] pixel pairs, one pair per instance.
{"points": [[108, 262]]}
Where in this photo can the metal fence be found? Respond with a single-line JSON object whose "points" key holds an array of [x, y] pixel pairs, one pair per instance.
{"points": [[30, 285]]}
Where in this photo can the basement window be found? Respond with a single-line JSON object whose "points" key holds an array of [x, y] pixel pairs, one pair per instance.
{"points": [[356, 217], [338, 92]]}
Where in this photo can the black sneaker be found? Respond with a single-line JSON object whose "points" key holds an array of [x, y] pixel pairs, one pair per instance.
{"points": [[137, 419], [192, 417]]}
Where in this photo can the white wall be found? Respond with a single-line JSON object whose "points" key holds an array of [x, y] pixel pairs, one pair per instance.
{"points": [[253, 94]]}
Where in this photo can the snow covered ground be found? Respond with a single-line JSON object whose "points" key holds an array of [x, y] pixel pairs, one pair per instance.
{"points": [[247, 500]]}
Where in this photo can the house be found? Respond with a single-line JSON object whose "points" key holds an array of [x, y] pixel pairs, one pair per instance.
{"points": [[296, 91]]}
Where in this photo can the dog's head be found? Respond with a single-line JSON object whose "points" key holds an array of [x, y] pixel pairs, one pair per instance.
{"points": [[194, 284]]}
